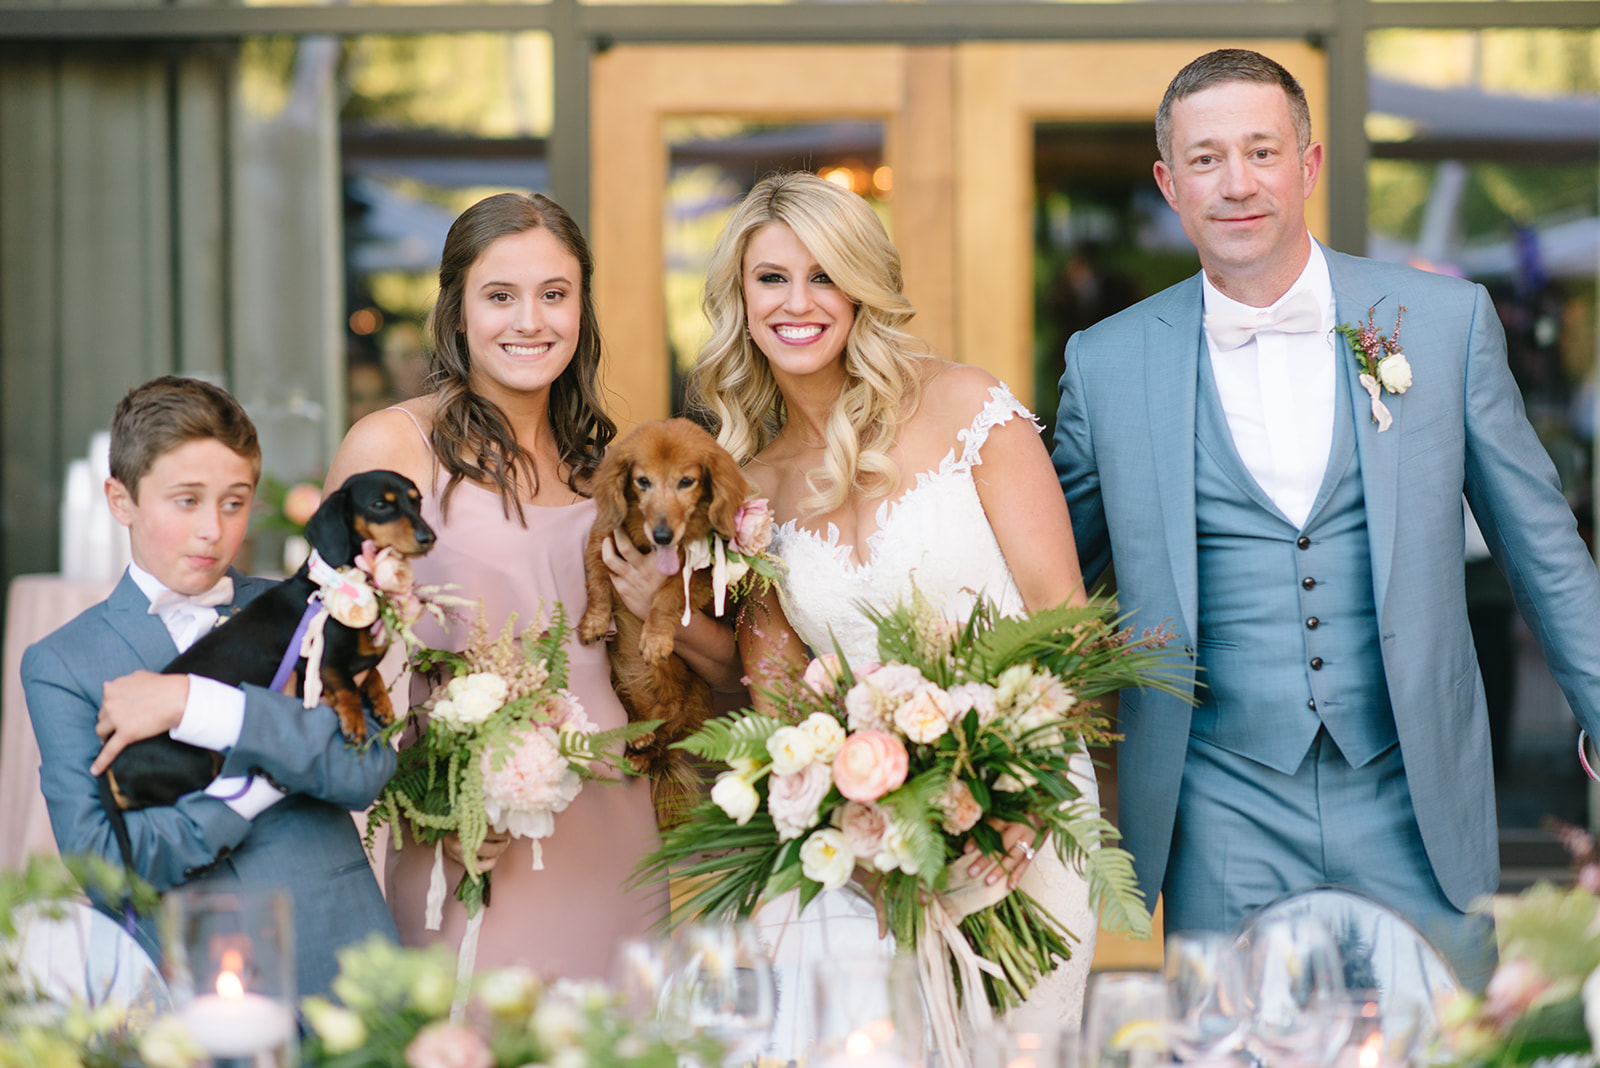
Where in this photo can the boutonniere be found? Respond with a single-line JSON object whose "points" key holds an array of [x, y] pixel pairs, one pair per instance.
{"points": [[1384, 368]]}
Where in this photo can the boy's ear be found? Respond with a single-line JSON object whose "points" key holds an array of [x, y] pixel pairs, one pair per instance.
{"points": [[120, 501]]}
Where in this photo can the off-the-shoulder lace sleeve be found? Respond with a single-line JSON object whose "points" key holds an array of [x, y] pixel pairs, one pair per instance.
{"points": [[998, 410]]}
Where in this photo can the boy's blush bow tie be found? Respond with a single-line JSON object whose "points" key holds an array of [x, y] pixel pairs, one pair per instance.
{"points": [[1231, 327], [166, 600]]}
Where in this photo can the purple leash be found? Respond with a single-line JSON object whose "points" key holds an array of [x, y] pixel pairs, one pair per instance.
{"points": [[291, 655]]}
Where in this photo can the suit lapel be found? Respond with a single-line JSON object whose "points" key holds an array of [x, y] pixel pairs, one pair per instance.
{"points": [[1173, 342], [1379, 452], [128, 612]]}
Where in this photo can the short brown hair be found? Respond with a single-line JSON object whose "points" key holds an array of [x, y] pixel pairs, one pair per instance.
{"points": [[166, 412], [1232, 65]]}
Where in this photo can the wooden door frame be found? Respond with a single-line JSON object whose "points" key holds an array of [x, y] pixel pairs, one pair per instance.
{"points": [[1005, 89], [636, 88]]}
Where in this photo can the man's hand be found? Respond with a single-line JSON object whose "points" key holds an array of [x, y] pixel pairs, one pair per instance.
{"points": [[494, 845], [633, 574], [135, 707]]}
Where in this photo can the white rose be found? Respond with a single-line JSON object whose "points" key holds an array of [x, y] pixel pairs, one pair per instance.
{"points": [[974, 695], [557, 1024], [340, 1029], [469, 700], [1591, 1007], [792, 750], [826, 733], [1395, 373], [509, 991], [826, 858], [734, 795], [898, 849]]}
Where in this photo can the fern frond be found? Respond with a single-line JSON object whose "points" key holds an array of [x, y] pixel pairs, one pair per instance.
{"points": [[739, 736]]}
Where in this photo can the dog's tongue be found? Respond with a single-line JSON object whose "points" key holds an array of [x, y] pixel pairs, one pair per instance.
{"points": [[667, 561]]}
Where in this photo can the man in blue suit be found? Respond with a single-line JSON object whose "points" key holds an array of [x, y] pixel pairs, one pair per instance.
{"points": [[184, 464], [1295, 514]]}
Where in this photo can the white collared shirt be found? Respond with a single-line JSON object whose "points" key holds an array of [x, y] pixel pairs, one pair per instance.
{"points": [[213, 716], [1277, 392]]}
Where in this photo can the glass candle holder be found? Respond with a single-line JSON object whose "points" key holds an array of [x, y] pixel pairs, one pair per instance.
{"points": [[230, 965], [868, 1012]]}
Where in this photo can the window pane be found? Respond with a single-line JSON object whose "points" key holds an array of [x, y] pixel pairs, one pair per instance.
{"points": [[1486, 164], [712, 162]]}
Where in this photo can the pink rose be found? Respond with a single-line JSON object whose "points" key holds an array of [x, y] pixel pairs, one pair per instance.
{"points": [[871, 702], [869, 765], [300, 503], [865, 827], [752, 527], [822, 673], [1512, 990], [960, 809], [447, 1045], [793, 799]]}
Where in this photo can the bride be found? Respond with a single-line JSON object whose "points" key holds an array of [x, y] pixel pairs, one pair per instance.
{"points": [[884, 468]]}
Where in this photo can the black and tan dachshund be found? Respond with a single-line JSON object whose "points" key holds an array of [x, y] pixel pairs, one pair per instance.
{"points": [[249, 647]]}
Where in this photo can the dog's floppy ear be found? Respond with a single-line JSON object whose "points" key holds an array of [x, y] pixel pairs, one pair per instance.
{"points": [[610, 490], [728, 488], [328, 529]]}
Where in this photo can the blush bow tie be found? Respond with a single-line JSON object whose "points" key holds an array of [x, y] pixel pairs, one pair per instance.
{"points": [[1232, 327], [166, 600]]}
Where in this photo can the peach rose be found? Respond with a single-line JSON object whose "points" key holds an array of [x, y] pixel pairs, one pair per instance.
{"points": [[821, 674], [447, 1045], [752, 527], [925, 716], [959, 808], [869, 765]]}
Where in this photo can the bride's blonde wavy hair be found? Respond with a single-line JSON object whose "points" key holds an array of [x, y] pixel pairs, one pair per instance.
{"points": [[732, 384]]}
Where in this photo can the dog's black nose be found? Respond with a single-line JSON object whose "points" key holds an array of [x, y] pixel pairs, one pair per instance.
{"points": [[423, 535], [662, 534]]}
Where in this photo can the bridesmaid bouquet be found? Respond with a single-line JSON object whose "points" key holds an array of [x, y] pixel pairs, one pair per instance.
{"points": [[883, 772], [503, 744]]}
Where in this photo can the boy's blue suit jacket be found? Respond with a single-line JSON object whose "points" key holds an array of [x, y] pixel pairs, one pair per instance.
{"points": [[306, 843]]}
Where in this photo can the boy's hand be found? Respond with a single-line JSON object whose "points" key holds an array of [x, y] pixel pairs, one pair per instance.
{"points": [[135, 707]]}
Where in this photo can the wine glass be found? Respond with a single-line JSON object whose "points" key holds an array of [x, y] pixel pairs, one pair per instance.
{"points": [[720, 984], [867, 1010], [1125, 1020], [1205, 990], [1299, 1013], [639, 976]]}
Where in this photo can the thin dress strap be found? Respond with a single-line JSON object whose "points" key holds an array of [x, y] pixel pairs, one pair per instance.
{"points": [[414, 422], [998, 410]]}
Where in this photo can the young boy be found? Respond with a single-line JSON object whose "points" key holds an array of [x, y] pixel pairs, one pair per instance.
{"points": [[184, 465]]}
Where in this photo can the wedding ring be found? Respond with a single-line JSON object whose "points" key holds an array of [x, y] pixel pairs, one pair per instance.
{"points": [[1027, 850]]}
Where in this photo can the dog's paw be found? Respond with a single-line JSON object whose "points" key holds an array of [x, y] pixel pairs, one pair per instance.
{"points": [[655, 645], [593, 627], [352, 724]]}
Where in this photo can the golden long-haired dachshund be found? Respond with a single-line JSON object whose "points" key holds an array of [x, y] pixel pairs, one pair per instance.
{"points": [[667, 484]]}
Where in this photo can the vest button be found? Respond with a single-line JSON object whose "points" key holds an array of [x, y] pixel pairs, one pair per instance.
{"points": [[1316, 663], [1307, 583], [1303, 542], [1312, 704], [1311, 624]]}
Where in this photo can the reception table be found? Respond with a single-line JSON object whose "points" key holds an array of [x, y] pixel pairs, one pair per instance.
{"points": [[35, 606]]}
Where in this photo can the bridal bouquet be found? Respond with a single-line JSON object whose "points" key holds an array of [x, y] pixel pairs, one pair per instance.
{"points": [[503, 745], [883, 772]]}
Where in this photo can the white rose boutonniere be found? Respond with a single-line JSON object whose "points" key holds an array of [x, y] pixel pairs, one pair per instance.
{"points": [[1384, 367]]}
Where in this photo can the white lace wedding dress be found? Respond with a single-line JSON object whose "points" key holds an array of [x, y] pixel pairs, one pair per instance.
{"points": [[937, 535]]}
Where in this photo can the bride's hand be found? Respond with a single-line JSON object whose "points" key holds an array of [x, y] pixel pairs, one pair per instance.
{"points": [[489, 853], [1020, 841]]}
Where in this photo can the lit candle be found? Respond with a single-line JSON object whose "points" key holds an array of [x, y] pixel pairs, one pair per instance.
{"points": [[234, 1022]]}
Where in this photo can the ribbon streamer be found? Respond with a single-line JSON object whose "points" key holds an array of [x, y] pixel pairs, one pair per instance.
{"points": [[1380, 410], [466, 963], [433, 916], [311, 648]]}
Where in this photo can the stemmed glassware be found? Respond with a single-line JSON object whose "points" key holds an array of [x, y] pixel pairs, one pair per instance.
{"points": [[719, 983], [1125, 1020], [1299, 1012], [1205, 990]]}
